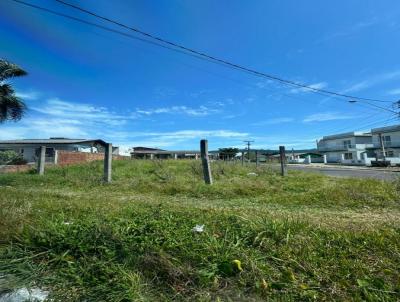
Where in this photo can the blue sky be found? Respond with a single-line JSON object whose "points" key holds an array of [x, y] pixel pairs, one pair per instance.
{"points": [[85, 82]]}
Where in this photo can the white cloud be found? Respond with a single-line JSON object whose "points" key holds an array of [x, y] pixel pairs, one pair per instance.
{"points": [[351, 30], [373, 81], [200, 111], [279, 120], [57, 108], [27, 95], [394, 91], [326, 116], [43, 128]]}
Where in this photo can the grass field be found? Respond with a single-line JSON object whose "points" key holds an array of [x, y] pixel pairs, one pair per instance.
{"points": [[305, 237]]}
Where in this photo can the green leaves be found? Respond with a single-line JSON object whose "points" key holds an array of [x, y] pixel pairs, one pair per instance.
{"points": [[10, 70], [11, 107]]}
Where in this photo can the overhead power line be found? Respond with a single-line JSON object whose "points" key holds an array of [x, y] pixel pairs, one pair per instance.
{"points": [[185, 50], [212, 58]]}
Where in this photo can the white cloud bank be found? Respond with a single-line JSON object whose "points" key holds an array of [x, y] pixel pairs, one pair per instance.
{"points": [[274, 121], [326, 116], [59, 118]]}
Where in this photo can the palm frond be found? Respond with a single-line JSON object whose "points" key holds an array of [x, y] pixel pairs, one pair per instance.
{"points": [[10, 70], [11, 108], [6, 89]]}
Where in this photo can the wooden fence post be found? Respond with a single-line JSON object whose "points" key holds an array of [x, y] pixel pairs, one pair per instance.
{"points": [[282, 156], [41, 160], [205, 162], [107, 162]]}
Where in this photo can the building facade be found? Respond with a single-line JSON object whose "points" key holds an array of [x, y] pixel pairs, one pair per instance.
{"points": [[346, 148], [386, 144]]}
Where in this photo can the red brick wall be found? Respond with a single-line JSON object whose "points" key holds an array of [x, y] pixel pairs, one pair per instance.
{"points": [[65, 158]]}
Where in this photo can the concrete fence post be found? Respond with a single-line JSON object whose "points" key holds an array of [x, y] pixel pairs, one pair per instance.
{"points": [[55, 157], [107, 162], [175, 156], [309, 159], [257, 159], [325, 159], [282, 157], [41, 160], [205, 162]]}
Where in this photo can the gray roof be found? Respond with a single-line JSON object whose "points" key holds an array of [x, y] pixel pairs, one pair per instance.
{"points": [[345, 135], [386, 129], [51, 141]]}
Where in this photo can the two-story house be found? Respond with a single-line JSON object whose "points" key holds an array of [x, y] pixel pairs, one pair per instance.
{"points": [[386, 144], [347, 148]]}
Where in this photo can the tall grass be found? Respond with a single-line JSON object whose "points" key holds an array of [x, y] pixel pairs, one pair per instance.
{"points": [[301, 238]]}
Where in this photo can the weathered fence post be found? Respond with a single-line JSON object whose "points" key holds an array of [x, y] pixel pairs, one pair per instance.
{"points": [[257, 158], [242, 158], [205, 161], [41, 160], [282, 156], [325, 159], [107, 162]]}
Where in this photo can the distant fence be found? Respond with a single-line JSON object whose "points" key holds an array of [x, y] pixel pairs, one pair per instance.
{"points": [[65, 158], [15, 168]]}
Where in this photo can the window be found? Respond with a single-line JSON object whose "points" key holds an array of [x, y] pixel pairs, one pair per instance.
{"points": [[347, 144], [386, 140], [348, 155], [49, 152]]}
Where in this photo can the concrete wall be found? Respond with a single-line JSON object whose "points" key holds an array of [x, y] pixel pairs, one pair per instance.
{"points": [[15, 168]]}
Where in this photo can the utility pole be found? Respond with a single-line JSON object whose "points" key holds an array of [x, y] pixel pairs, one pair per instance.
{"points": [[248, 143], [382, 146]]}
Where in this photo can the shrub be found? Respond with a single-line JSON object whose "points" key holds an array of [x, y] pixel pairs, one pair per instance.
{"points": [[10, 157]]}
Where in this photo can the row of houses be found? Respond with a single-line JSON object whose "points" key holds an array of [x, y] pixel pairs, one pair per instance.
{"points": [[379, 146], [362, 148]]}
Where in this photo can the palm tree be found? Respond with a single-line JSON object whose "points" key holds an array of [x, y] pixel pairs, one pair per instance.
{"points": [[11, 106]]}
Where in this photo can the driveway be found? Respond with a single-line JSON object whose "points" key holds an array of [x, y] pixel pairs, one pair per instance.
{"points": [[381, 174]]}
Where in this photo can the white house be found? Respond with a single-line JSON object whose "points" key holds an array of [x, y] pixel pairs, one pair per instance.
{"points": [[346, 148], [386, 144]]}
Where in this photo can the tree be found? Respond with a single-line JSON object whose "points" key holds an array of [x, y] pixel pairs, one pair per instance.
{"points": [[11, 106], [228, 153]]}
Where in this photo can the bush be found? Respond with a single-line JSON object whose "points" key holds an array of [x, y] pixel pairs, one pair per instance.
{"points": [[11, 158]]}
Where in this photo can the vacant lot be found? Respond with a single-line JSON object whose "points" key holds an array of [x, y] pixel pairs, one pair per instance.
{"points": [[305, 237]]}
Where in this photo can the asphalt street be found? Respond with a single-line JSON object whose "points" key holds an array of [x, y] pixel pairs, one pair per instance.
{"points": [[353, 172]]}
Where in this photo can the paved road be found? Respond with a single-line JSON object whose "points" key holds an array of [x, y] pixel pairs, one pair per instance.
{"points": [[341, 172]]}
